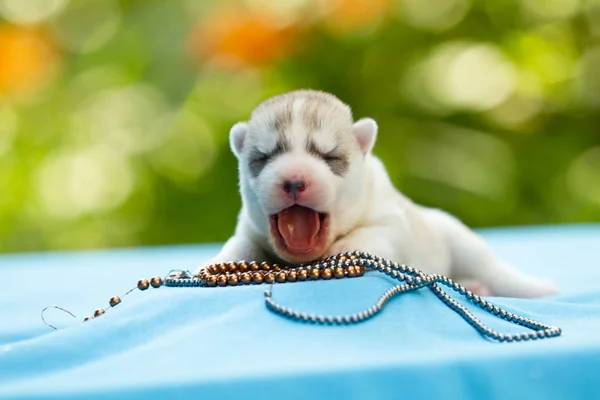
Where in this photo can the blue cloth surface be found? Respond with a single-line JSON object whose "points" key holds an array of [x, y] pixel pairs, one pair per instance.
{"points": [[223, 343]]}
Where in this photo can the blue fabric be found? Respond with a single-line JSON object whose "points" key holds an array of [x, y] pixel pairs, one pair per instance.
{"points": [[223, 343]]}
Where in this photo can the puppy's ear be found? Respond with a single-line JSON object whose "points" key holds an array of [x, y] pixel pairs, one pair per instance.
{"points": [[366, 132], [237, 137]]}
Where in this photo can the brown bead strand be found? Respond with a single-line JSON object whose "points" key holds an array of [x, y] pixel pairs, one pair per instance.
{"points": [[245, 273], [114, 301]]}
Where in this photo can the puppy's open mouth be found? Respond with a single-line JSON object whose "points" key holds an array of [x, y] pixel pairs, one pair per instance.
{"points": [[300, 231]]}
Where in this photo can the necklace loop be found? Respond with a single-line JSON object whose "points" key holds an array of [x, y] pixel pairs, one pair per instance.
{"points": [[58, 308]]}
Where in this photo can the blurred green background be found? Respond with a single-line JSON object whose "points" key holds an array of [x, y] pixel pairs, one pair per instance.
{"points": [[114, 115]]}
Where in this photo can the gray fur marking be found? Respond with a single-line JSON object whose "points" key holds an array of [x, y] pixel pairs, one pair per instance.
{"points": [[283, 119], [259, 160], [336, 161], [311, 115]]}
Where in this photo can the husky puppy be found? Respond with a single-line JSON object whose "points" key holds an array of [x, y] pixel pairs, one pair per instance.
{"points": [[311, 188]]}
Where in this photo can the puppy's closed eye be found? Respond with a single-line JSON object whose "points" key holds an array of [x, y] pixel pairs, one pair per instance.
{"points": [[335, 159], [257, 162], [337, 162], [332, 156], [260, 157]]}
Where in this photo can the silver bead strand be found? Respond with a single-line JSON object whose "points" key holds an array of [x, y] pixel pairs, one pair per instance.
{"points": [[410, 279], [415, 279]]}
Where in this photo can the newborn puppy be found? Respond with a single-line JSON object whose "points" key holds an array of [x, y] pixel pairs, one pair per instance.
{"points": [[312, 188]]}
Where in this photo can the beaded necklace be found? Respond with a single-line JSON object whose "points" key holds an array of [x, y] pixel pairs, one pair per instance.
{"points": [[345, 265]]}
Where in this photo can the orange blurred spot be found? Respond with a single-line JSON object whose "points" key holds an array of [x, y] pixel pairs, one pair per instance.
{"points": [[242, 37], [27, 55], [350, 15]]}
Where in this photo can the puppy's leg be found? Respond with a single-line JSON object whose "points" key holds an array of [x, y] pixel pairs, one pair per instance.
{"points": [[473, 259], [371, 240], [237, 248]]}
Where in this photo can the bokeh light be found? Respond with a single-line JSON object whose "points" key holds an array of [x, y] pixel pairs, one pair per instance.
{"points": [[467, 76], [468, 160], [188, 149], [71, 184], [551, 9], [27, 58], [123, 118], [87, 25], [30, 11], [349, 16], [234, 37], [435, 15], [516, 112], [589, 78], [583, 176]]}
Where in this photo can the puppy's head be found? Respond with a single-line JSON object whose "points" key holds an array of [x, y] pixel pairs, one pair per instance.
{"points": [[301, 163]]}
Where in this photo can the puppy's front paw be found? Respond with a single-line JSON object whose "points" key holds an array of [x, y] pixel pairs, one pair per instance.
{"points": [[476, 287], [537, 287], [338, 248], [523, 286]]}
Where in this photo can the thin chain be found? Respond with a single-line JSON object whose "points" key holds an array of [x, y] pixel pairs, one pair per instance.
{"points": [[346, 265]]}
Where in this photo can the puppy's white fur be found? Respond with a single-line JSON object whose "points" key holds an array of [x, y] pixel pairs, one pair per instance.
{"points": [[365, 210]]}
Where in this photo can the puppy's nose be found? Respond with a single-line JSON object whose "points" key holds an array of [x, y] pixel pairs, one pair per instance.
{"points": [[294, 186]]}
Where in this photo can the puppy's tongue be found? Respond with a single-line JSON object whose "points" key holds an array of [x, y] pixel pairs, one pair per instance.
{"points": [[299, 227]]}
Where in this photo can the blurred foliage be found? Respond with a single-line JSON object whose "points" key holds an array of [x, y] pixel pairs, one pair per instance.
{"points": [[114, 115]]}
